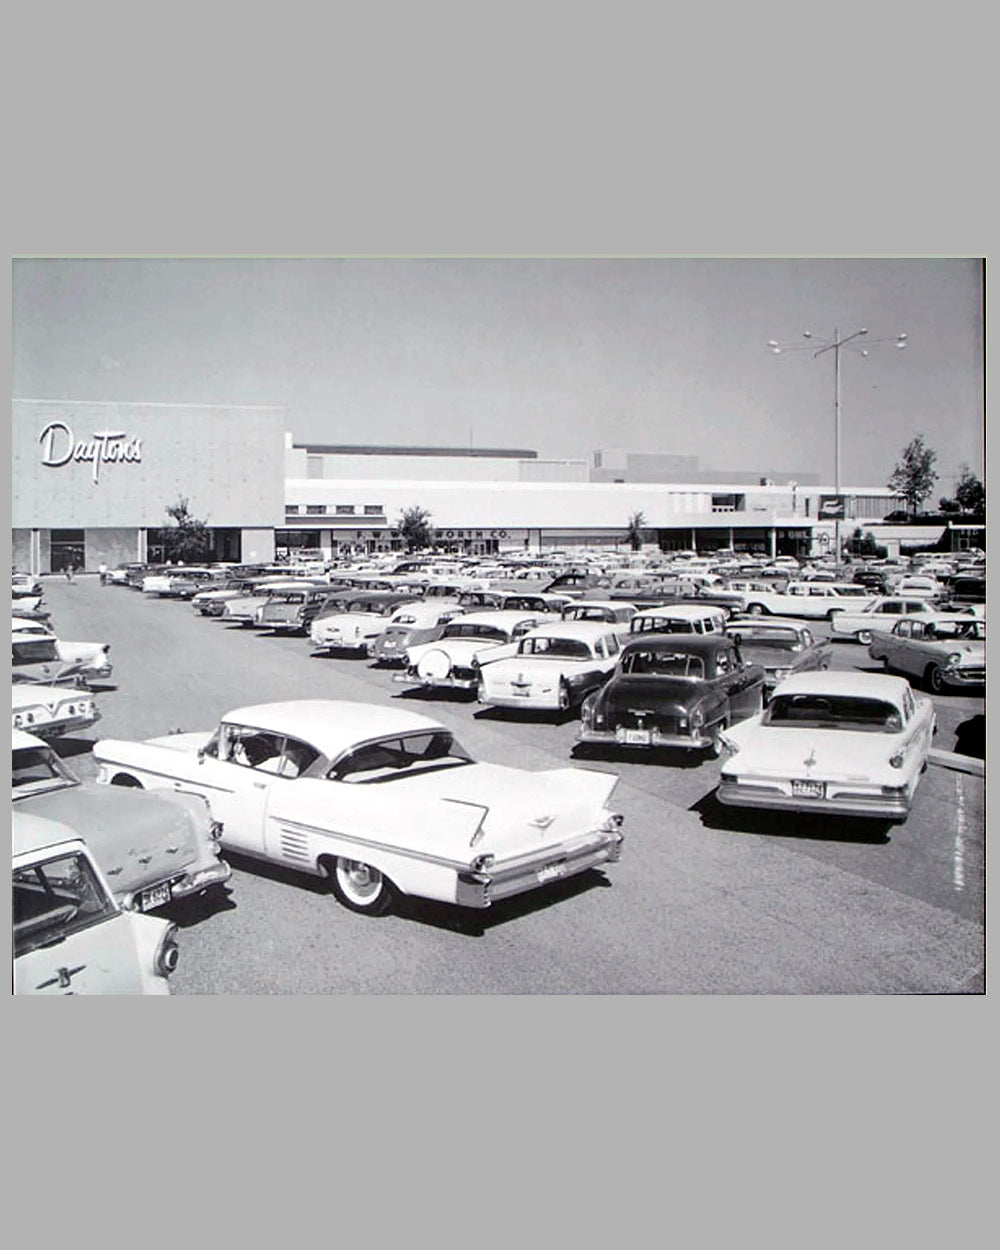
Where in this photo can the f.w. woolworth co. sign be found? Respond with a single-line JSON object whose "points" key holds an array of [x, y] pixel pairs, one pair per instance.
{"points": [[105, 447]]}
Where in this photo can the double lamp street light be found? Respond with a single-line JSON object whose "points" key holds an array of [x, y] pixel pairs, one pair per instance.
{"points": [[835, 345]]}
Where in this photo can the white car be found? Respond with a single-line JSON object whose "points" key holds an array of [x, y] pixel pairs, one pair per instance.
{"points": [[356, 622], [90, 659], [940, 651], [453, 661], [380, 802], [848, 743], [51, 710], [555, 667], [916, 586], [881, 613], [69, 934]]}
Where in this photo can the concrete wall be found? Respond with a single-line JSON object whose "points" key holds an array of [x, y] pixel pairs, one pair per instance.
{"points": [[110, 546], [257, 546], [227, 461]]}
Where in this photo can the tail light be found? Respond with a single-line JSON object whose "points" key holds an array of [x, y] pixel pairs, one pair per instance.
{"points": [[167, 953]]}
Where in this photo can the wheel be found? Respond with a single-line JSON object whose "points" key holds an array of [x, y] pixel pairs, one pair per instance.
{"points": [[864, 636], [360, 887], [124, 780], [755, 609], [934, 679]]}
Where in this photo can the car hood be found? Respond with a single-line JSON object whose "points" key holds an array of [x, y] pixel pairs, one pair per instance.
{"points": [[137, 836]]}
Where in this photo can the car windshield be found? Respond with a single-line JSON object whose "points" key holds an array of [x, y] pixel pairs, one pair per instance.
{"points": [[653, 663], [402, 756], [568, 648], [37, 769], [968, 629], [31, 650], [814, 711]]}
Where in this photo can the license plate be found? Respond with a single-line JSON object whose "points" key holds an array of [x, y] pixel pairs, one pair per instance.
{"points": [[809, 789], [635, 737], [551, 872], [155, 897], [520, 690]]}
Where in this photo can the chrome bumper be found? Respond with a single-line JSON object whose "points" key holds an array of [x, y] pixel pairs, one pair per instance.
{"points": [[689, 742], [481, 889], [885, 807]]}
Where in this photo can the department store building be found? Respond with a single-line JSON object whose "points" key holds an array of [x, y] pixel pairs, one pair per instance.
{"points": [[92, 482]]}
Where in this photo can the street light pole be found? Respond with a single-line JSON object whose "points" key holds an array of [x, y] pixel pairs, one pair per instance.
{"points": [[835, 345]]}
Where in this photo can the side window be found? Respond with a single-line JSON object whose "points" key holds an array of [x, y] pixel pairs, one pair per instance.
{"points": [[296, 758], [807, 637], [917, 629], [818, 592], [797, 590], [892, 609], [612, 644], [722, 665], [902, 629], [254, 748]]}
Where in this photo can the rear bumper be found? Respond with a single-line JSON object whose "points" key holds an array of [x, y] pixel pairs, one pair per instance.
{"points": [[428, 683], [611, 737], [64, 725], [481, 889], [885, 807]]}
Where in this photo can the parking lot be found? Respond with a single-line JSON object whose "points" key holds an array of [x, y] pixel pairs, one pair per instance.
{"points": [[704, 900]]}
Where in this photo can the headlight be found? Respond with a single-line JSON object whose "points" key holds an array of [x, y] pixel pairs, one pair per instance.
{"points": [[18, 720], [896, 760], [697, 718], [612, 822], [482, 862], [953, 660], [781, 673]]}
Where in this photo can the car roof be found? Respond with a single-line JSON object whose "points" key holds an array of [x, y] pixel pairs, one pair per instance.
{"points": [[697, 643], [499, 616], [585, 630], [330, 725], [681, 611], [33, 833], [831, 681]]}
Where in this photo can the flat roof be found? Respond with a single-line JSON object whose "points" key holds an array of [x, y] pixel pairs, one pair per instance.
{"points": [[348, 449]]}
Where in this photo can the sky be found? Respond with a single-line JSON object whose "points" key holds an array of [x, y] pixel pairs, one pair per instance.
{"points": [[562, 356]]}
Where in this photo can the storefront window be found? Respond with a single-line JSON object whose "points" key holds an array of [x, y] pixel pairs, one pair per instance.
{"points": [[68, 549]]}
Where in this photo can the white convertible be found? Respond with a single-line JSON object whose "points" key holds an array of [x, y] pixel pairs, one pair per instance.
{"points": [[881, 613], [841, 742], [379, 801]]}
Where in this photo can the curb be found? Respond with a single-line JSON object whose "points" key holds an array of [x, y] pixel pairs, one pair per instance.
{"points": [[959, 763]]}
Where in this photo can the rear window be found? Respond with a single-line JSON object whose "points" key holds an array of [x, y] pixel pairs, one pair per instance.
{"points": [[833, 712], [655, 663]]}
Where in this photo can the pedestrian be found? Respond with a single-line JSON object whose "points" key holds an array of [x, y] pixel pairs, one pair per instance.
{"points": [[70, 570], [102, 572]]}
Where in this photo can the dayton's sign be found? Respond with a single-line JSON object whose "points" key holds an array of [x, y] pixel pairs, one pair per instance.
{"points": [[105, 447]]}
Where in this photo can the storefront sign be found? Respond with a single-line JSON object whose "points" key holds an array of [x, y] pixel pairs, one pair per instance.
{"points": [[105, 447], [831, 507]]}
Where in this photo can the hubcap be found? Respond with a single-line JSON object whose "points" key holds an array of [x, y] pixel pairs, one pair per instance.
{"points": [[358, 879]]}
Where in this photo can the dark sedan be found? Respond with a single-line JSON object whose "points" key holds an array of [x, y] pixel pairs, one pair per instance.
{"points": [[780, 647], [678, 690]]}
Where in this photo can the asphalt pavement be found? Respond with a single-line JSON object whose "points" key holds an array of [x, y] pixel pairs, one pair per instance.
{"points": [[704, 901]]}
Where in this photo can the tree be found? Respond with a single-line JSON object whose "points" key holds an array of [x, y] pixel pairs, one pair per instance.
{"points": [[949, 505], [862, 543], [914, 476], [635, 523], [188, 539], [415, 528], [970, 494]]}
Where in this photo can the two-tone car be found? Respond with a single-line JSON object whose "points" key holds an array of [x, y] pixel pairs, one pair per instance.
{"points": [[241, 609], [681, 691], [678, 618], [152, 847], [781, 646], [554, 668], [380, 801], [24, 586], [881, 613], [843, 743], [943, 651], [352, 621], [454, 661], [69, 935], [422, 621], [291, 611], [612, 612], [179, 582]]}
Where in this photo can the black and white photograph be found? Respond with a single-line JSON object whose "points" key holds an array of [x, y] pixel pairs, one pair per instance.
{"points": [[498, 625]]}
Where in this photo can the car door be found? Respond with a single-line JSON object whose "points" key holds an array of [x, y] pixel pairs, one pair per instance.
{"points": [[743, 683], [235, 780]]}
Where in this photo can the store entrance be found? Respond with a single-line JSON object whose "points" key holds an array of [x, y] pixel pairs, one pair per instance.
{"points": [[68, 549]]}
